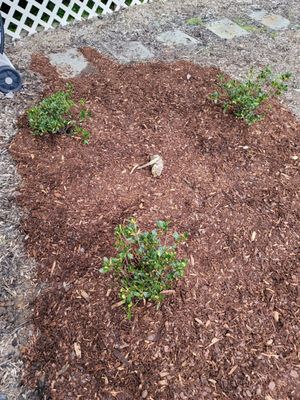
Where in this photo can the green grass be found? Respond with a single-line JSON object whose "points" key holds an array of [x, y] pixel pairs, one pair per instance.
{"points": [[194, 21]]}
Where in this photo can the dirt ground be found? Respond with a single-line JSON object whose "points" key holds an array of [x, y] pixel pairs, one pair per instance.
{"points": [[230, 331]]}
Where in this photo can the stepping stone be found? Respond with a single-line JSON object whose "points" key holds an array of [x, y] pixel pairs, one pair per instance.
{"points": [[226, 29], [176, 38], [131, 51], [272, 21], [69, 63]]}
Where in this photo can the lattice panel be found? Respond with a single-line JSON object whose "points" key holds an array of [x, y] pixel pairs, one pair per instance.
{"points": [[24, 17]]}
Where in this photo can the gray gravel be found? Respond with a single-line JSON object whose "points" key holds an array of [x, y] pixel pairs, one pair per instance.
{"points": [[280, 50]]}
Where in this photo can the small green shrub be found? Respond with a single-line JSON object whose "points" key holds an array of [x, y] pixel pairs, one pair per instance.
{"points": [[245, 98], [54, 114], [145, 264]]}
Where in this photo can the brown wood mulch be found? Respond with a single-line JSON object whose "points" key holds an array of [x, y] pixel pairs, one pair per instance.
{"points": [[231, 330]]}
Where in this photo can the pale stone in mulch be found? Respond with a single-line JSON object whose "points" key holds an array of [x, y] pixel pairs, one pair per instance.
{"points": [[272, 21], [226, 29], [176, 38], [131, 51], [68, 63]]}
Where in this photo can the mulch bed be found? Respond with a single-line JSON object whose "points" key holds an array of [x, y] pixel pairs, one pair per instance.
{"points": [[230, 331]]}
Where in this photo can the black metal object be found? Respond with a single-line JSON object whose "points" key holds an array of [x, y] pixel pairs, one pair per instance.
{"points": [[10, 79], [1, 35]]}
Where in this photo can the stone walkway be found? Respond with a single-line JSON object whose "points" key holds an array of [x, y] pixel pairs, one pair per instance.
{"points": [[232, 35], [71, 62]]}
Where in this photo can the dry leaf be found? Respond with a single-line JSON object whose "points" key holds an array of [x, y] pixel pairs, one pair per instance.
{"points": [[77, 350]]}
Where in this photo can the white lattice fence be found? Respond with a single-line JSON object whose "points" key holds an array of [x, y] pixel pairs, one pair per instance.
{"points": [[29, 16]]}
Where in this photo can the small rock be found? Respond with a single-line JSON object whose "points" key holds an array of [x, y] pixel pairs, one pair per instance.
{"points": [[151, 338], [14, 342], [272, 385], [144, 394], [9, 95], [294, 374]]}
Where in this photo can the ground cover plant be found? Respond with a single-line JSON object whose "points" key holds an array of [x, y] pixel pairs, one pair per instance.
{"points": [[244, 99], [145, 265], [230, 328], [55, 114]]}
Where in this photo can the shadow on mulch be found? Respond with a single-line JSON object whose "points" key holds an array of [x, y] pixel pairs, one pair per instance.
{"points": [[231, 329]]}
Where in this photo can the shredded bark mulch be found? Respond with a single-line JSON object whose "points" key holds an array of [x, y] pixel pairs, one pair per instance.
{"points": [[231, 329]]}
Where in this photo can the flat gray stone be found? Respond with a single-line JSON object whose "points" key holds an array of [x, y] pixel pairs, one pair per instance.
{"points": [[131, 51], [176, 38], [272, 21], [226, 29], [69, 63]]}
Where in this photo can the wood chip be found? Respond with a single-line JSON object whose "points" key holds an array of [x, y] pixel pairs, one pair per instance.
{"points": [[77, 350], [53, 268], [84, 294], [214, 341], [198, 321], [276, 315], [168, 292], [163, 383], [192, 261], [163, 374], [232, 370], [119, 304]]}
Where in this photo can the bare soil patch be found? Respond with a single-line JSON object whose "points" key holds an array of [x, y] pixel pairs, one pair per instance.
{"points": [[231, 329]]}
